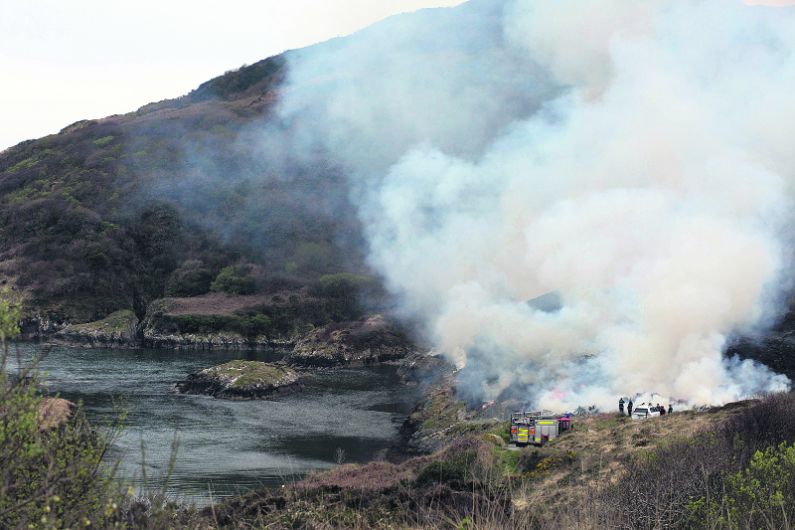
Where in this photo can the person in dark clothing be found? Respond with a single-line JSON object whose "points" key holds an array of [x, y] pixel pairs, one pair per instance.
{"points": [[661, 409], [670, 409], [629, 408], [621, 406]]}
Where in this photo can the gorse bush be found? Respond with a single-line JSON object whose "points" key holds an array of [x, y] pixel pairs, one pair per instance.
{"points": [[204, 323], [759, 496], [254, 324], [235, 279], [51, 476], [311, 259], [10, 314]]}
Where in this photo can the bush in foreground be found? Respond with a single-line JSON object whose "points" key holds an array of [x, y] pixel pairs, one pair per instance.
{"points": [[51, 462]]}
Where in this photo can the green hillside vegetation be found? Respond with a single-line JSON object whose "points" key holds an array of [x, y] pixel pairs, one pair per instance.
{"points": [[171, 199]]}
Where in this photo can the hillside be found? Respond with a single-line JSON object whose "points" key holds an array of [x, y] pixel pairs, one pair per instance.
{"points": [[113, 214], [106, 214], [99, 216]]}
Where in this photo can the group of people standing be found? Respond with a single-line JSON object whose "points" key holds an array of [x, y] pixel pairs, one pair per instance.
{"points": [[658, 408]]}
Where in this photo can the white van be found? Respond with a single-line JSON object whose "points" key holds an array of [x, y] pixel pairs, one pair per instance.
{"points": [[643, 411]]}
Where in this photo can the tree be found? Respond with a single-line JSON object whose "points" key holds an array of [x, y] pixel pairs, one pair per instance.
{"points": [[156, 240], [192, 278], [235, 279]]}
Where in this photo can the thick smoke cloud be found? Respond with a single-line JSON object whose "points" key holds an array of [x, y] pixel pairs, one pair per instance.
{"points": [[633, 158]]}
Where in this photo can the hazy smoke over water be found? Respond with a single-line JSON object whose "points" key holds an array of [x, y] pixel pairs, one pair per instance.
{"points": [[632, 157]]}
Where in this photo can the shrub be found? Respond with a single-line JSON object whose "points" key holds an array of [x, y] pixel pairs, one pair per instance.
{"points": [[105, 140], [311, 259], [235, 279], [10, 315], [767, 422], [344, 285], [204, 323], [253, 325], [466, 461], [658, 485], [759, 496], [190, 279], [715, 479], [51, 476]]}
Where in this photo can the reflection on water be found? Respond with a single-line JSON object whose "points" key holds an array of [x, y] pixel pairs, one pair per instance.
{"points": [[226, 447]]}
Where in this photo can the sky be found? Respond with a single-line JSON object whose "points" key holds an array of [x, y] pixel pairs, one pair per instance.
{"points": [[66, 61]]}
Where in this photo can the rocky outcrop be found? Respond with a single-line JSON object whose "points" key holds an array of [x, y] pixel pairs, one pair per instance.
{"points": [[117, 329], [425, 368], [370, 340], [223, 340], [242, 380], [428, 426], [38, 327]]}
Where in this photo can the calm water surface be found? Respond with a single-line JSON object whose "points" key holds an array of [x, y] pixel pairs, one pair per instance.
{"points": [[226, 447]]}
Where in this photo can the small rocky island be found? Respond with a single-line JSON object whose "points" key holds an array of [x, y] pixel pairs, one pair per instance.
{"points": [[242, 380]]}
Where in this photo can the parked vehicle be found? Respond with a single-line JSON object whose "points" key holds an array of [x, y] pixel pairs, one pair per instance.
{"points": [[643, 411], [527, 429], [522, 428]]}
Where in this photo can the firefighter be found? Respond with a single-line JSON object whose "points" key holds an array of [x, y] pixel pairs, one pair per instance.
{"points": [[621, 406], [661, 409], [629, 408], [670, 409]]}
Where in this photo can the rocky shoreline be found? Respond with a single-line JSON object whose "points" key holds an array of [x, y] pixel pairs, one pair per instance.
{"points": [[371, 340]]}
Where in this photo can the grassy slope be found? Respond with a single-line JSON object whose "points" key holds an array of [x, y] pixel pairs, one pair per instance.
{"points": [[597, 451], [117, 322]]}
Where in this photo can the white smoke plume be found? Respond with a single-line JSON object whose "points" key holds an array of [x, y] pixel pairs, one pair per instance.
{"points": [[633, 158]]}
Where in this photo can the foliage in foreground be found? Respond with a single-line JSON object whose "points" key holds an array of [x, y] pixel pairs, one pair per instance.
{"points": [[51, 469], [741, 475]]}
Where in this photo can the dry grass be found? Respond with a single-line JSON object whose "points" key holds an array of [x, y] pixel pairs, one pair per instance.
{"points": [[601, 445], [227, 304], [54, 412], [372, 477]]}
